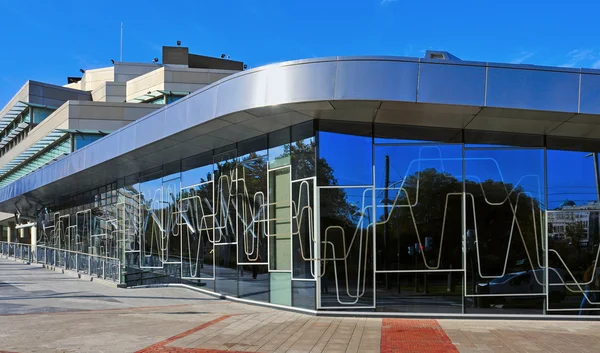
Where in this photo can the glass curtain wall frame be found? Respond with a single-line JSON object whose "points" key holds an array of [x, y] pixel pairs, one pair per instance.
{"points": [[198, 224], [467, 156], [345, 216], [505, 232], [419, 192], [573, 233], [225, 210], [151, 221], [536, 224]]}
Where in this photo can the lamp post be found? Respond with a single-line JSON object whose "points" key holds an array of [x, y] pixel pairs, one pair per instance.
{"points": [[386, 211], [386, 201]]}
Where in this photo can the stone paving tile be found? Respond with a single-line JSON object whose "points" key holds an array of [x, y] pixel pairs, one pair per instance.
{"points": [[295, 335], [275, 342], [265, 344], [354, 342], [181, 321], [310, 336], [371, 336], [324, 339]]}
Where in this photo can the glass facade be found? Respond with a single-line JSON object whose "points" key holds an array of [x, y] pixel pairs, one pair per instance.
{"points": [[82, 140], [359, 217]]}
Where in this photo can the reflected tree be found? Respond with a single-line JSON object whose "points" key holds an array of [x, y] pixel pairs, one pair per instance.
{"points": [[575, 233], [497, 208]]}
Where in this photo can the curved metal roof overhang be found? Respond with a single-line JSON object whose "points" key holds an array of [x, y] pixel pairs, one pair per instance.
{"points": [[554, 102]]}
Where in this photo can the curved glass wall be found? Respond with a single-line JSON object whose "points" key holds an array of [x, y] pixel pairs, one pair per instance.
{"points": [[358, 217]]}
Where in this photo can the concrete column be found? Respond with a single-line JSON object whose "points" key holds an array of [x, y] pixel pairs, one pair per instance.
{"points": [[10, 232], [33, 239]]}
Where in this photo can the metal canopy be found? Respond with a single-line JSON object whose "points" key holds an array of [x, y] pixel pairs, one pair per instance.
{"points": [[558, 103]]}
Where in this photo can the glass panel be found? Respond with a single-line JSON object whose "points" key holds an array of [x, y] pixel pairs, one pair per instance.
{"points": [[226, 269], [197, 230], [421, 292], [505, 236], [39, 114], [344, 159], [254, 282], [304, 239], [303, 294], [84, 140], [197, 218], [279, 220], [279, 148], [225, 205], [170, 207], [173, 98], [151, 194], [252, 209], [281, 288], [225, 197], [573, 234], [419, 202], [252, 226], [346, 216], [419, 229], [303, 158]]}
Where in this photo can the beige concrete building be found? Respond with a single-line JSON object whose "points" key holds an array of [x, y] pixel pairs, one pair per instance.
{"points": [[44, 122]]}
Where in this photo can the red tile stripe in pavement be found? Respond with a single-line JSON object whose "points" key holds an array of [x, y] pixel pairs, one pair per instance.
{"points": [[160, 346], [414, 336]]}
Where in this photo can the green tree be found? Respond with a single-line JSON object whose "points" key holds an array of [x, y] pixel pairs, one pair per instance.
{"points": [[575, 233]]}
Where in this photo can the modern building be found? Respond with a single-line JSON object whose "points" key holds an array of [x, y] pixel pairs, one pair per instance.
{"points": [[44, 122], [347, 185], [572, 220]]}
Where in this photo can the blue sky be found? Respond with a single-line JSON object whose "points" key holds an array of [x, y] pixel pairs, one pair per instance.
{"points": [[50, 40]]}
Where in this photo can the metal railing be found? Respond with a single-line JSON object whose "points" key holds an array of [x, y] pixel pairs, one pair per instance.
{"points": [[107, 268], [16, 250]]}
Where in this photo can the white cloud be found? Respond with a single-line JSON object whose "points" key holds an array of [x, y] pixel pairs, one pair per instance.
{"points": [[383, 2], [577, 56], [522, 57], [596, 65]]}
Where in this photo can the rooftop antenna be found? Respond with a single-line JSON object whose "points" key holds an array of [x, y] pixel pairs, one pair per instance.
{"points": [[121, 45]]}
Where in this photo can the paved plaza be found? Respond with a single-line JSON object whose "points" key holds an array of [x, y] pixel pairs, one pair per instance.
{"points": [[47, 311]]}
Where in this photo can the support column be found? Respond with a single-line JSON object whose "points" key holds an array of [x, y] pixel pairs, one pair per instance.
{"points": [[11, 233], [33, 233]]}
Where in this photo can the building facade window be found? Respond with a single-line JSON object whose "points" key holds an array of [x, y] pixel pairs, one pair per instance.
{"points": [[355, 217]]}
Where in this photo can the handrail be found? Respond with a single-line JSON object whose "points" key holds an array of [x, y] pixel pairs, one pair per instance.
{"points": [[79, 252], [16, 250], [94, 265]]}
